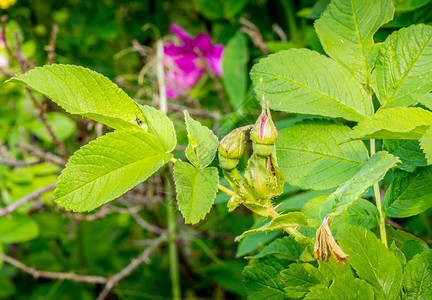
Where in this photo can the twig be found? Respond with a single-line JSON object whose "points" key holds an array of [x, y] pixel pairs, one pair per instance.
{"points": [[4, 19], [279, 31], [143, 257], [146, 225], [397, 226], [161, 77], [216, 83], [32, 196], [61, 147], [52, 45], [18, 163], [52, 275], [45, 156], [251, 30]]}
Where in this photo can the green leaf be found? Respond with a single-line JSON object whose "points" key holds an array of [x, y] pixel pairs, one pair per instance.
{"points": [[299, 278], [17, 229], [161, 126], [408, 151], [409, 193], [1, 252], [312, 210], [394, 123], [108, 167], [343, 287], [373, 171], [426, 145], [262, 280], [292, 219], [232, 7], [285, 247], [196, 190], [253, 242], [62, 126], [409, 244], [331, 269], [346, 31], [84, 92], [408, 5], [303, 81], [312, 156], [372, 261], [7, 288], [203, 144], [234, 64], [404, 66], [211, 9], [361, 213], [417, 277], [228, 274]]}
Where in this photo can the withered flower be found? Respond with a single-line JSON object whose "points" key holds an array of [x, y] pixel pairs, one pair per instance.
{"points": [[326, 244]]}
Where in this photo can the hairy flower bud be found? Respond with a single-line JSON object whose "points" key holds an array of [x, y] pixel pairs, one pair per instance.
{"points": [[231, 148], [264, 134], [227, 163], [234, 143]]}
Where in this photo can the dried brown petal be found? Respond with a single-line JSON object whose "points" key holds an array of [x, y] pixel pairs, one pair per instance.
{"points": [[326, 243]]}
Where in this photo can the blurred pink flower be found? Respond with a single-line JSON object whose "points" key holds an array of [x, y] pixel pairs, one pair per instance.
{"points": [[184, 62]]}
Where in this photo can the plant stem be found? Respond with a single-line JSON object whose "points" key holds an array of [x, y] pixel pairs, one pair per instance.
{"points": [[381, 220], [173, 257], [226, 190]]}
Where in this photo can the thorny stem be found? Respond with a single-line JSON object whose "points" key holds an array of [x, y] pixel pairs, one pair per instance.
{"points": [[381, 221]]}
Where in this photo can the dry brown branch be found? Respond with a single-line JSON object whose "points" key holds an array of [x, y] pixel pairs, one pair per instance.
{"points": [[61, 147], [251, 30], [397, 226], [143, 257], [18, 163], [146, 225], [24, 200], [45, 156], [53, 275], [52, 45]]}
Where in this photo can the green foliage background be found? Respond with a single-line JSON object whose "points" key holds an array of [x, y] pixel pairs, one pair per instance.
{"points": [[95, 34]]}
